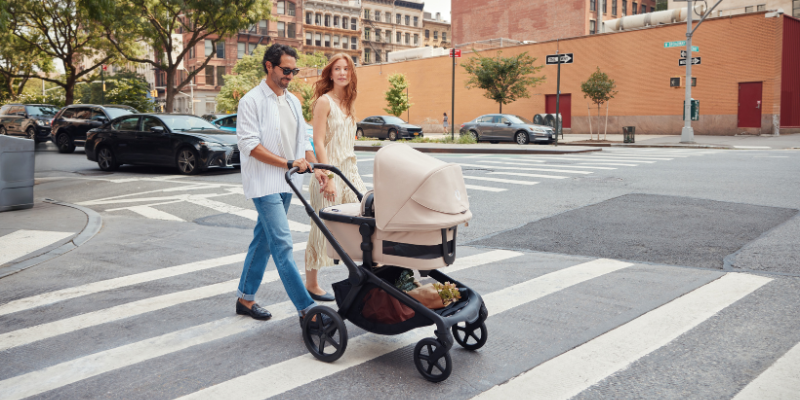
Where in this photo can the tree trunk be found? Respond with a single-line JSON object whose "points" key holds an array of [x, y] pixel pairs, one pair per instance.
{"points": [[501, 108], [598, 120], [69, 88], [21, 85], [170, 91]]}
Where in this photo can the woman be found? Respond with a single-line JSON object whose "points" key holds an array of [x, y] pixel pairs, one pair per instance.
{"points": [[445, 122], [334, 138]]}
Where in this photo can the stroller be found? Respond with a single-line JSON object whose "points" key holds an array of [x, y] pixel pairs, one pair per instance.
{"points": [[409, 221]]}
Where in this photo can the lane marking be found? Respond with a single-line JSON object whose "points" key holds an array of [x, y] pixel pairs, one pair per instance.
{"points": [[153, 213], [527, 163], [48, 298], [540, 169], [578, 369], [509, 181], [365, 159], [72, 371], [632, 157], [605, 163], [242, 212], [284, 376], [473, 187], [780, 381], [517, 169], [19, 243]]}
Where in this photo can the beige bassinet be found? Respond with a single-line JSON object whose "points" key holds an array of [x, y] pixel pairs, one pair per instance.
{"points": [[418, 201]]}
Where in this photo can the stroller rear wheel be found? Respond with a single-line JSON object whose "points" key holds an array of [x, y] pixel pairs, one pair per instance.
{"points": [[470, 337], [324, 333], [432, 368]]}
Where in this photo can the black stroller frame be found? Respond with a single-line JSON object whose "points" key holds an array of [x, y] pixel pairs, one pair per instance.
{"points": [[466, 318]]}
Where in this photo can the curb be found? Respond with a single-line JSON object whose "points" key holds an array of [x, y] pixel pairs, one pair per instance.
{"points": [[471, 149], [93, 225], [663, 146]]}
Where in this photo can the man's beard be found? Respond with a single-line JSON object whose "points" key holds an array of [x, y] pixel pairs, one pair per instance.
{"points": [[281, 83]]}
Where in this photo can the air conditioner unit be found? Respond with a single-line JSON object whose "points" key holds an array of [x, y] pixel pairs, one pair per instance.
{"points": [[547, 119]]}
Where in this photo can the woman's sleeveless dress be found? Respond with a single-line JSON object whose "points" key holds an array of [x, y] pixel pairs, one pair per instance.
{"points": [[340, 144]]}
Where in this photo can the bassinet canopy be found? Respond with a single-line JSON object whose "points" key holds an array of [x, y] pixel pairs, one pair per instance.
{"points": [[416, 192]]}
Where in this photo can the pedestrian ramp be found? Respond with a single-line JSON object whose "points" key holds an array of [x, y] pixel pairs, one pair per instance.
{"points": [[24, 242]]}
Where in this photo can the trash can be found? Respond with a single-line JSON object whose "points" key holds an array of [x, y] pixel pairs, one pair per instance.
{"points": [[16, 173], [628, 134]]}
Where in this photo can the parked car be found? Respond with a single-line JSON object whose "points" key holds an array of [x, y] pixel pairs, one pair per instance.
{"points": [[29, 120], [227, 123], [213, 117], [71, 123], [506, 127], [387, 127], [187, 142]]}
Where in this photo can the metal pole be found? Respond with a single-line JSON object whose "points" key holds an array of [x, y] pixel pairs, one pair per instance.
{"points": [[558, 96], [408, 110], [103, 81], [687, 133], [453, 97]]}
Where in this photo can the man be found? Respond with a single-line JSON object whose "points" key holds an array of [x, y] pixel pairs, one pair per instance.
{"points": [[272, 138]]}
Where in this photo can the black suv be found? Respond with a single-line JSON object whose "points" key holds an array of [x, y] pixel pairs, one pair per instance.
{"points": [[29, 120], [72, 122]]}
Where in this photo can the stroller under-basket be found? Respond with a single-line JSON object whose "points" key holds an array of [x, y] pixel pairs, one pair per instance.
{"points": [[409, 221]]}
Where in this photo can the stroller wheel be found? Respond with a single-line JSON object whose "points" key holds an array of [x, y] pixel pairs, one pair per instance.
{"points": [[324, 333], [432, 369], [470, 337]]}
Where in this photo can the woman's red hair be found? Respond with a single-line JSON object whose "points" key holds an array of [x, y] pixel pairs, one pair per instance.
{"points": [[324, 84]]}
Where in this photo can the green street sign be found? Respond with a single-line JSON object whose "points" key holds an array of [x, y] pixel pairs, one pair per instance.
{"points": [[680, 43]]}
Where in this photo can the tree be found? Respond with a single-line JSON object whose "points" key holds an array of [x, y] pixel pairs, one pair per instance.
{"points": [[599, 89], [171, 28], [19, 63], [397, 97], [61, 30], [505, 79], [124, 88], [306, 94]]}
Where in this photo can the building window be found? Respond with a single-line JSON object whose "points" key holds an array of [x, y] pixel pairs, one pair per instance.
{"points": [[634, 9], [336, 41], [210, 75], [408, 20], [209, 47], [408, 38], [399, 35], [624, 7], [387, 55], [308, 39], [378, 16], [427, 34], [309, 18], [318, 39], [399, 18], [292, 30], [435, 35], [318, 19], [444, 37], [605, 8], [336, 21], [191, 52], [592, 5], [366, 55], [416, 21], [353, 43], [355, 60], [761, 7], [366, 14], [240, 49], [327, 40], [220, 49], [290, 8], [220, 76], [377, 56], [377, 35], [353, 24], [591, 27], [613, 7], [263, 27], [281, 29], [416, 40], [366, 33], [281, 7], [328, 20]]}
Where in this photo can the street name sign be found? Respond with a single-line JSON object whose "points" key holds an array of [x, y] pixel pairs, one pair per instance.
{"points": [[695, 61], [456, 51], [680, 43], [553, 59], [683, 53]]}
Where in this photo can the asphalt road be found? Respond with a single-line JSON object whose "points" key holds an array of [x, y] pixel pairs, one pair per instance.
{"points": [[630, 273]]}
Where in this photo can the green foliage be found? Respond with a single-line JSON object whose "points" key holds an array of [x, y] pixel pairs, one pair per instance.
{"points": [[599, 88], [131, 93], [317, 60], [406, 281], [448, 292], [396, 97], [52, 97], [306, 95], [124, 88], [505, 79], [661, 5], [19, 62]]}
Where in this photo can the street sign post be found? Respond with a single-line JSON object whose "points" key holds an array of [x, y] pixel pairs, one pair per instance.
{"points": [[680, 43], [553, 59], [457, 52], [695, 61], [453, 54]]}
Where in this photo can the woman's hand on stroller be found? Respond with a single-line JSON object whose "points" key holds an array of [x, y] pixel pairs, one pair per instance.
{"points": [[322, 177], [329, 190]]}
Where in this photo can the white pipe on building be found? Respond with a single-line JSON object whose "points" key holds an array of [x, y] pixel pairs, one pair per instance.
{"points": [[655, 18]]}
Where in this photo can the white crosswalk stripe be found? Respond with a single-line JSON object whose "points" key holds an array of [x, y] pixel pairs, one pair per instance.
{"points": [[576, 370], [609, 163], [517, 169], [549, 169], [498, 180], [22, 242], [781, 381]]}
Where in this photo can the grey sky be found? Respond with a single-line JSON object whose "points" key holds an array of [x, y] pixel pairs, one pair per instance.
{"points": [[442, 6]]}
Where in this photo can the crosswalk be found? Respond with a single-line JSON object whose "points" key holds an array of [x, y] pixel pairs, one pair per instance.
{"points": [[23, 242], [584, 363]]}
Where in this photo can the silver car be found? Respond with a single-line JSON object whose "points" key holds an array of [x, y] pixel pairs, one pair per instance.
{"points": [[506, 128]]}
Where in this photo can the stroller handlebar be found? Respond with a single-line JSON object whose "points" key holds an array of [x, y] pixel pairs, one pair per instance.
{"points": [[332, 168]]}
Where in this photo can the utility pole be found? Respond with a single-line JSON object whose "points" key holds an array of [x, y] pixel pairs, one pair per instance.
{"points": [[103, 81], [687, 133], [453, 96], [600, 8], [558, 94]]}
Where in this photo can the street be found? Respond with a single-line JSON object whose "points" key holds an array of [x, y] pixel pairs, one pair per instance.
{"points": [[657, 273]]}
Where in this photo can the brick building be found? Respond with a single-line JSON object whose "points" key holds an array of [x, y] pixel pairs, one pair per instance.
{"points": [[541, 20], [733, 7], [759, 96], [436, 32], [390, 25], [332, 26]]}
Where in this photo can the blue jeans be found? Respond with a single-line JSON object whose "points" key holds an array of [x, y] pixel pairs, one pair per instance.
{"points": [[272, 237]]}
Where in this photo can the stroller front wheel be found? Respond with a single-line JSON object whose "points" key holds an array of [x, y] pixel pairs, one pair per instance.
{"points": [[324, 333], [429, 366], [470, 337]]}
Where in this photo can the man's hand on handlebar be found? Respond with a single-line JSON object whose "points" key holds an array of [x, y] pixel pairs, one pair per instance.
{"points": [[302, 165]]}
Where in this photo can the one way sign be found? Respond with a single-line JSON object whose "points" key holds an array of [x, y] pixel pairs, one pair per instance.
{"points": [[695, 61], [566, 58]]}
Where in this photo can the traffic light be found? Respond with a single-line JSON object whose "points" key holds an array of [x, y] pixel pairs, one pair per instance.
{"points": [[154, 93]]}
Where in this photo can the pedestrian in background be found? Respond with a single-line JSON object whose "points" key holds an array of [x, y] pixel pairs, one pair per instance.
{"points": [[444, 123], [272, 139]]}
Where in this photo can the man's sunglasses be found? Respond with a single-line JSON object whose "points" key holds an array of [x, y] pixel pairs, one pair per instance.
{"points": [[287, 71]]}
